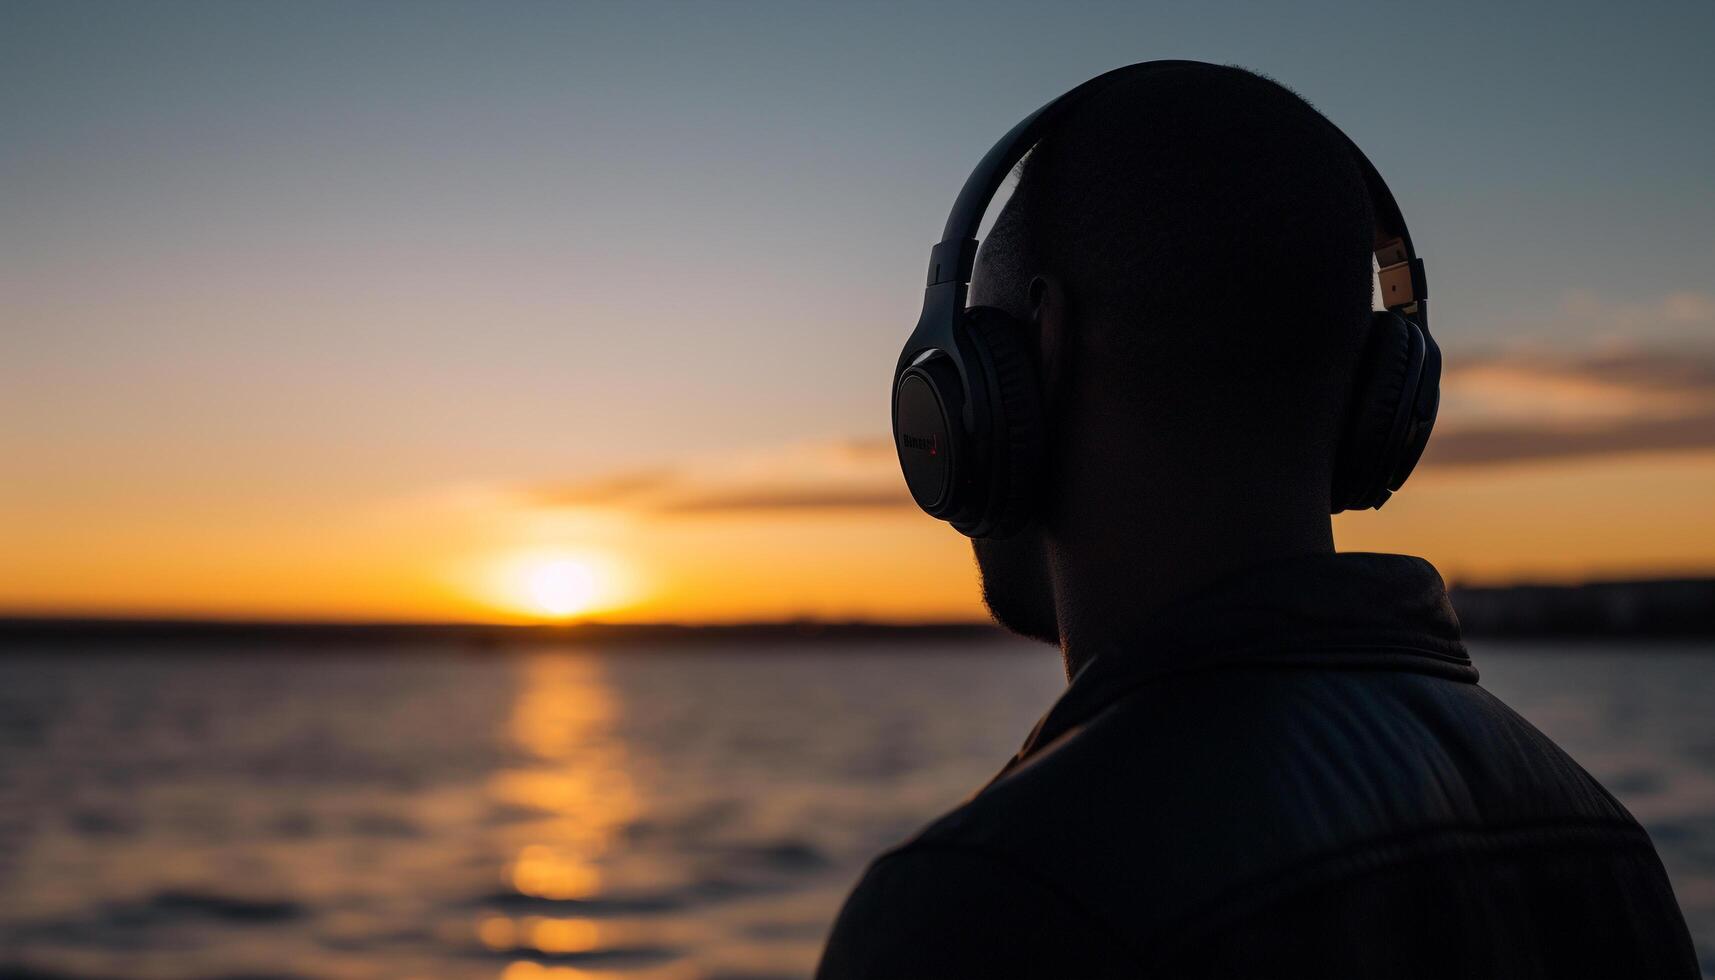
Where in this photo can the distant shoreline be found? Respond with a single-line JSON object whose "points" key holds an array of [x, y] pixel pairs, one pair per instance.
{"points": [[203, 632], [1668, 607], [1661, 608]]}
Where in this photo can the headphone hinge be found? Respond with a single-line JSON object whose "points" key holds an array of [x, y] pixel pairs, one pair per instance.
{"points": [[1403, 284]]}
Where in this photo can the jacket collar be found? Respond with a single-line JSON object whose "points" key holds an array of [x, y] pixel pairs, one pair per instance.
{"points": [[1350, 610]]}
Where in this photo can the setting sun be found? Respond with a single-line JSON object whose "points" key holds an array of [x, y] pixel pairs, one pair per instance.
{"points": [[550, 583], [562, 587]]}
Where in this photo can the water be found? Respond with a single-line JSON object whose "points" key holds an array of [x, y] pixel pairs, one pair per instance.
{"points": [[576, 814]]}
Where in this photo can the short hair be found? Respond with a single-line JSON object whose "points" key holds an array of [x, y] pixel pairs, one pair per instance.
{"points": [[1207, 215]]}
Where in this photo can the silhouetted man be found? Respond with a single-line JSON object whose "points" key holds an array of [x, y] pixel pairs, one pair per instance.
{"points": [[1272, 760]]}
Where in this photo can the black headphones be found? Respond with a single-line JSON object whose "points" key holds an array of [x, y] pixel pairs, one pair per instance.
{"points": [[967, 411]]}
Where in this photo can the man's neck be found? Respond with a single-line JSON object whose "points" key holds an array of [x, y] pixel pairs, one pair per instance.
{"points": [[1114, 583]]}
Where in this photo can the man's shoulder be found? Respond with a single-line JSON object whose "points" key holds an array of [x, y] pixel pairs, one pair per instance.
{"points": [[1185, 793], [949, 911], [1290, 743]]}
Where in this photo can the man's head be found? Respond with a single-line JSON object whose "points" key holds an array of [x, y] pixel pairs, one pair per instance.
{"points": [[1192, 246]]}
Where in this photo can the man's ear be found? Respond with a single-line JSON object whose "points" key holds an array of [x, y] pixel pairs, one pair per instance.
{"points": [[1049, 315]]}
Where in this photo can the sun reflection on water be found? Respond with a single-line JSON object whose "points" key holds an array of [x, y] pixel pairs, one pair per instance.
{"points": [[547, 935], [562, 873], [575, 787], [527, 970]]}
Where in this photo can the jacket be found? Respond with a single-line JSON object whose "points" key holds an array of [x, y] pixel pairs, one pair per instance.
{"points": [[1294, 773]]}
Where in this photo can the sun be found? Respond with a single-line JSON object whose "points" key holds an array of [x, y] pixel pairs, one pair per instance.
{"points": [[561, 586], [549, 583]]}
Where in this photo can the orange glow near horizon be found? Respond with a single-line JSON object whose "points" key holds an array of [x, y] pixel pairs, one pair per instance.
{"points": [[484, 557]]}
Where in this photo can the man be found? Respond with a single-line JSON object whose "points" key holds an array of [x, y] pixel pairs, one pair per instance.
{"points": [[1272, 760]]}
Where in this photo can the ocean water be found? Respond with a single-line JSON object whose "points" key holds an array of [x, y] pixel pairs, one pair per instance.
{"points": [[569, 813]]}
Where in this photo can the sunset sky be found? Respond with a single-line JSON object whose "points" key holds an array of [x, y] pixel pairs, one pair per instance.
{"points": [[481, 312]]}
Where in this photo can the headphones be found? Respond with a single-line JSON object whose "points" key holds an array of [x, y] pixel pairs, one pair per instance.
{"points": [[967, 409]]}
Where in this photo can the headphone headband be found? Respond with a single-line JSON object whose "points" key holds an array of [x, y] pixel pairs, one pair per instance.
{"points": [[1404, 285], [968, 422]]}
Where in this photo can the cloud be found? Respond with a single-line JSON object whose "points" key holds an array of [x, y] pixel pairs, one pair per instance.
{"points": [[836, 475], [1501, 406], [1684, 307], [1684, 368], [1509, 444], [615, 488], [1532, 404], [1688, 307], [817, 498]]}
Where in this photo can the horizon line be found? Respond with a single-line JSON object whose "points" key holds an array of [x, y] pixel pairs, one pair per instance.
{"points": [[15, 618], [1616, 606]]}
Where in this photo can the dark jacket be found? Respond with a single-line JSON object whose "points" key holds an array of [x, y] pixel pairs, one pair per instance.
{"points": [[1294, 774]]}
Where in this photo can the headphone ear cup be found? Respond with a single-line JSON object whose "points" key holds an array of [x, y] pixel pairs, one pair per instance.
{"points": [[1426, 403], [1015, 431], [1377, 413]]}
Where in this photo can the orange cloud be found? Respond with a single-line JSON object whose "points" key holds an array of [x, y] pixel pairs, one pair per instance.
{"points": [[846, 474], [1530, 404], [1497, 408]]}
